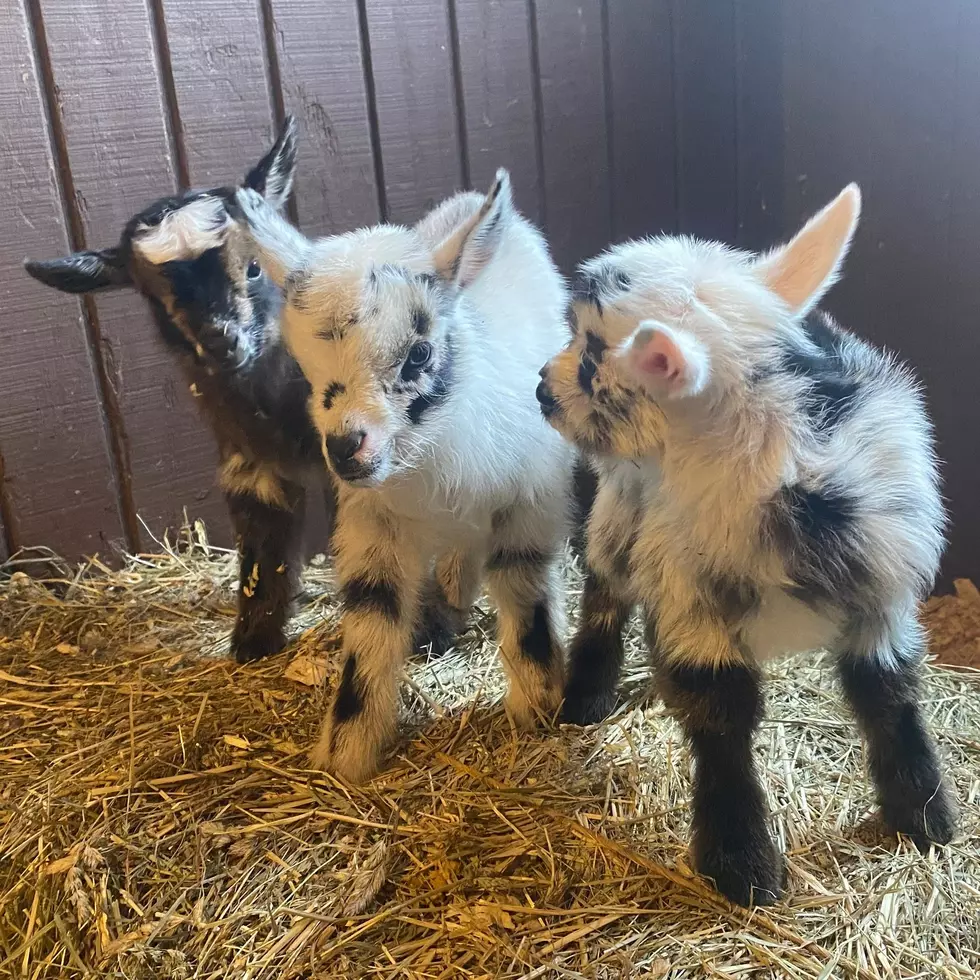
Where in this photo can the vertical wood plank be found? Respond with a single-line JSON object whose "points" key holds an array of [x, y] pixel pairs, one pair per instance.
{"points": [[895, 112], [218, 71], [759, 117], [319, 47], [58, 481], [411, 53], [113, 116], [574, 134], [498, 89], [644, 159], [704, 85]]}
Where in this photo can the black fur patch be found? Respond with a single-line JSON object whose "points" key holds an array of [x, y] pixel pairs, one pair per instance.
{"points": [[537, 642], [331, 392], [813, 533], [507, 559], [586, 374], [421, 321], [440, 387], [733, 598], [587, 289], [333, 330], [379, 597], [595, 346], [349, 702], [833, 391]]}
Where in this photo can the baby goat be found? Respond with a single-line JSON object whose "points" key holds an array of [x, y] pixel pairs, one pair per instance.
{"points": [[422, 362], [767, 485], [218, 311]]}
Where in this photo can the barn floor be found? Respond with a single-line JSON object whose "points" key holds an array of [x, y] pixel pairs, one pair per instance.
{"points": [[157, 821]]}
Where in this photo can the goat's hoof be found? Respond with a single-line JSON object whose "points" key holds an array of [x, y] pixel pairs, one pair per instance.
{"points": [[751, 872], [257, 644], [926, 817], [583, 707]]}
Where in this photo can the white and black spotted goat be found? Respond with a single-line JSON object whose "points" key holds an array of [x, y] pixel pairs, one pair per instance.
{"points": [[219, 312], [767, 485], [423, 362]]}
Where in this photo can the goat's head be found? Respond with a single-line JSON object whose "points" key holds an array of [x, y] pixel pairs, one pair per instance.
{"points": [[674, 330], [189, 255], [374, 317]]}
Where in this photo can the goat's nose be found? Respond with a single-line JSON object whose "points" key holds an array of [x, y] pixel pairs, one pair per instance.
{"points": [[342, 449], [543, 373], [545, 398]]}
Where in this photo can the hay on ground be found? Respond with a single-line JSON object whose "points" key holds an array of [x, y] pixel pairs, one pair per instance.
{"points": [[157, 819]]}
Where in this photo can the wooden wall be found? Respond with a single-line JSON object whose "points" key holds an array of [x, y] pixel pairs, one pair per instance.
{"points": [[729, 118]]}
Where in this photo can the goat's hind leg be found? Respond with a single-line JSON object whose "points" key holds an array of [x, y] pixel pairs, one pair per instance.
{"points": [[880, 672], [446, 600], [269, 537]]}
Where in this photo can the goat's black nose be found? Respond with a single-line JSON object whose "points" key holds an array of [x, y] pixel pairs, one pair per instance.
{"points": [[545, 398], [341, 450]]}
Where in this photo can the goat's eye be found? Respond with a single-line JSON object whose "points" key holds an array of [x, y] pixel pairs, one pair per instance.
{"points": [[254, 270], [419, 355]]}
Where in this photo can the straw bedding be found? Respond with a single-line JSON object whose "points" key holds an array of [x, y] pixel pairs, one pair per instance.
{"points": [[157, 820]]}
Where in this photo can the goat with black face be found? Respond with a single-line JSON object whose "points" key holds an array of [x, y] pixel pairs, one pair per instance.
{"points": [[218, 311]]}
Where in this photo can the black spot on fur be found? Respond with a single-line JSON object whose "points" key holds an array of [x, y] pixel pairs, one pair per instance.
{"points": [[595, 346], [421, 321], [507, 559], [349, 702], [733, 598], [537, 643], [587, 289], [622, 279], [427, 278], [333, 330], [440, 387], [586, 374], [814, 534], [331, 392], [379, 597], [833, 391]]}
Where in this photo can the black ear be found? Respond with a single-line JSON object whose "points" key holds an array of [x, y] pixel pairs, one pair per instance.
{"points": [[82, 272], [273, 175]]}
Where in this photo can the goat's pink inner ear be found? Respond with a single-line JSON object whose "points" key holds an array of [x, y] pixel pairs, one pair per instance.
{"points": [[668, 362]]}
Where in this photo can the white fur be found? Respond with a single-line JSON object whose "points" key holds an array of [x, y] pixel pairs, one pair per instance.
{"points": [[185, 233]]}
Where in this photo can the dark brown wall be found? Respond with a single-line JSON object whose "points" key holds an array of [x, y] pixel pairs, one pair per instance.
{"points": [[728, 118]]}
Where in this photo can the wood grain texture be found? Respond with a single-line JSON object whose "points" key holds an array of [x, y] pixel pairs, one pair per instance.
{"points": [[759, 115], [704, 86], [217, 63], [641, 97], [574, 138], [900, 118], [323, 83], [113, 116], [58, 474], [499, 92], [411, 52]]}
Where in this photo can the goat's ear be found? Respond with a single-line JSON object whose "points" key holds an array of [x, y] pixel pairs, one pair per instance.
{"points": [[82, 272], [273, 175], [668, 363], [803, 269], [282, 249], [462, 256]]}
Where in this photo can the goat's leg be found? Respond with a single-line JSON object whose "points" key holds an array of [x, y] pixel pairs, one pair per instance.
{"points": [[881, 678], [446, 600], [379, 572], [719, 705], [524, 580], [269, 537]]}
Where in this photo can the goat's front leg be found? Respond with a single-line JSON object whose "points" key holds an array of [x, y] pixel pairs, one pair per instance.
{"points": [[379, 571], [524, 580], [267, 514], [717, 698]]}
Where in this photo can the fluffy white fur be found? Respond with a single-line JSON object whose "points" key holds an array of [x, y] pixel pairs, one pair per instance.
{"points": [[184, 233], [476, 480]]}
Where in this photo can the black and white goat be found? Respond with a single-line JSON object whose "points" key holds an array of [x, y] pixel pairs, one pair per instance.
{"points": [[768, 485], [423, 361], [218, 311]]}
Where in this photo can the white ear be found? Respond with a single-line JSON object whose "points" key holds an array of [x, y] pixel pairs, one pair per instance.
{"points": [[670, 363], [462, 256], [282, 248], [803, 269]]}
